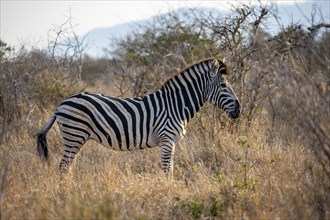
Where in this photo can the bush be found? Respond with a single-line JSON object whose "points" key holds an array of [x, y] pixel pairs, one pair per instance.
{"points": [[37, 78]]}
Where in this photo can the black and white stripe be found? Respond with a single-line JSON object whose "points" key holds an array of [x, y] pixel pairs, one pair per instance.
{"points": [[158, 119]]}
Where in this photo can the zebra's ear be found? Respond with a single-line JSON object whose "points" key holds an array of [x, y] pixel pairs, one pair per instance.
{"points": [[214, 67]]}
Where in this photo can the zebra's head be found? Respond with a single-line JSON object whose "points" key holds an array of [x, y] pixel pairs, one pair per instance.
{"points": [[219, 91]]}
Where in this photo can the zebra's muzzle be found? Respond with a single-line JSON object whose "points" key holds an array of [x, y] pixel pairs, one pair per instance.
{"points": [[235, 114]]}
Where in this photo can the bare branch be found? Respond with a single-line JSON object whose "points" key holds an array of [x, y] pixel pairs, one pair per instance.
{"points": [[318, 26]]}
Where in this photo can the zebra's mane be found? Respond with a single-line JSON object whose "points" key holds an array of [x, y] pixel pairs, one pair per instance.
{"points": [[208, 62]]}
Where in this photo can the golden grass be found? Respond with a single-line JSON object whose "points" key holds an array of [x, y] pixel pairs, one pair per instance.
{"points": [[235, 174]]}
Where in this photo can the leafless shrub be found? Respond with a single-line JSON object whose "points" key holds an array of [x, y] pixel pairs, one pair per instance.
{"points": [[158, 50], [38, 78], [303, 102], [124, 82]]}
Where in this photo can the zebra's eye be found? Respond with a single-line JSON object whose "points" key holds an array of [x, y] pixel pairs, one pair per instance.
{"points": [[222, 70]]}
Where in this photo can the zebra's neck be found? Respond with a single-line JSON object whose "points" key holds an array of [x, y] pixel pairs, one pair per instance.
{"points": [[184, 94]]}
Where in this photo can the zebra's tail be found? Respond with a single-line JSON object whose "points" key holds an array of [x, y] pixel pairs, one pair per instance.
{"points": [[41, 138]]}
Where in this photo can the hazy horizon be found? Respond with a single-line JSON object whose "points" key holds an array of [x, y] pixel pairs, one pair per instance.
{"points": [[27, 22]]}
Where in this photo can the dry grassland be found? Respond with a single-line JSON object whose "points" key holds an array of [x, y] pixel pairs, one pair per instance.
{"points": [[242, 172]]}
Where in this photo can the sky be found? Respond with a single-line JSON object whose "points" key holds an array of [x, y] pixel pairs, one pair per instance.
{"points": [[28, 21]]}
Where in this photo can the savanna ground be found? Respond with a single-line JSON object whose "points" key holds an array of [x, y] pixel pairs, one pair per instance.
{"points": [[273, 162]]}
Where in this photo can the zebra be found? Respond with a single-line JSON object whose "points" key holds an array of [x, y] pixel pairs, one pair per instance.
{"points": [[157, 119]]}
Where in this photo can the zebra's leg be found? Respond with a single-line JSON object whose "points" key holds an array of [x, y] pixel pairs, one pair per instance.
{"points": [[72, 145], [167, 148], [68, 156]]}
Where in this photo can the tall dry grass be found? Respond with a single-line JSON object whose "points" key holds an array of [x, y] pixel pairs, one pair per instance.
{"points": [[238, 174]]}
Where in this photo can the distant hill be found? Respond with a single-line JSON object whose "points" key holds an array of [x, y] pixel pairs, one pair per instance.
{"points": [[99, 38]]}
